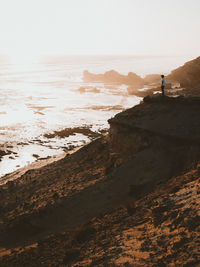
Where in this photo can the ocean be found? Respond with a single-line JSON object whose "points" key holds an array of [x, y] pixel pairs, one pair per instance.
{"points": [[41, 96]]}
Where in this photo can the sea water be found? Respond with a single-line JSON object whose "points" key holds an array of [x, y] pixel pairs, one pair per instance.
{"points": [[41, 96]]}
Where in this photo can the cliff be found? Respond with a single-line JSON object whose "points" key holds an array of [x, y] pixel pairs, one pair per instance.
{"points": [[129, 197], [174, 118], [187, 75]]}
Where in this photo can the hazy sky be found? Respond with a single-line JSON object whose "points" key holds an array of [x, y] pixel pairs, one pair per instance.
{"points": [[138, 27]]}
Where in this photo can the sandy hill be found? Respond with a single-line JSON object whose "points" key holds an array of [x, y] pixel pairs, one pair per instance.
{"points": [[129, 198]]}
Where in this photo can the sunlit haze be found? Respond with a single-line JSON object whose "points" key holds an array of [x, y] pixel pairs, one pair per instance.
{"points": [[138, 27]]}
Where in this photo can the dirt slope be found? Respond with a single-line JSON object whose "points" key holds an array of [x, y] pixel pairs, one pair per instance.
{"points": [[115, 202]]}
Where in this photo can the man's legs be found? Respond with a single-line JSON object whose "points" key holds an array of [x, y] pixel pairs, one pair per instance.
{"points": [[163, 93]]}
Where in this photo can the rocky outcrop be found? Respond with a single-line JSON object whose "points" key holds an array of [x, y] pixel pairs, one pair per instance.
{"points": [[114, 77], [161, 126], [188, 75], [164, 116], [4, 153]]}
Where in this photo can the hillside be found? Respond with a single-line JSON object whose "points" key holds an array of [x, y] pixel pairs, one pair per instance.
{"points": [[188, 75], [129, 198]]}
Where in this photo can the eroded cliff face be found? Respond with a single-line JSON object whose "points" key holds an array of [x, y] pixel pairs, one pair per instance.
{"points": [[82, 202], [188, 75], [156, 140]]}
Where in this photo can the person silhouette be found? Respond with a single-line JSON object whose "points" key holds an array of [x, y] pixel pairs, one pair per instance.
{"points": [[163, 84]]}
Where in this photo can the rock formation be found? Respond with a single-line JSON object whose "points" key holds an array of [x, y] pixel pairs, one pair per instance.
{"points": [[4, 153], [129, 198], [152, 78], [114, 77], [188, 75]]}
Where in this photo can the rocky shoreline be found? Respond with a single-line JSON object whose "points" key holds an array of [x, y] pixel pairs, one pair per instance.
{"points": [[183, 81], [49, 142], [129, 197]]}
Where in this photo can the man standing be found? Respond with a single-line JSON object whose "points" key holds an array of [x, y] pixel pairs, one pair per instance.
{"points": [[163, 84]]}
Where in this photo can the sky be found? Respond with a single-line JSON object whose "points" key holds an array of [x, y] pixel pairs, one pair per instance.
{"points": [[136, 27]]}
